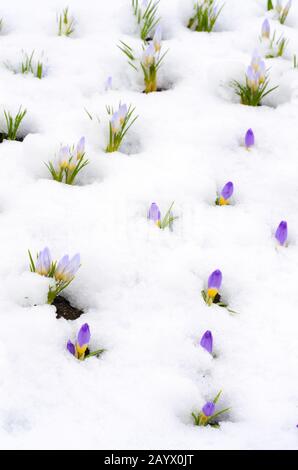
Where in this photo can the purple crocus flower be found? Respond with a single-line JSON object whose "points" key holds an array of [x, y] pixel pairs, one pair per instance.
{"points": [[64, 156], [208, 409], [44, 262], [227, 190], [148, 55], [266, 29], [67, 268], [215, 280], [80, 150], [214, 283], [154, 213], [207, 341], [109, 83], [122, 113], [84, 335], [71, 348], [157, 38], [249, 139], [281, 233]]}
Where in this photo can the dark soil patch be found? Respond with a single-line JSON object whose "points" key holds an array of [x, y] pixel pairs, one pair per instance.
{"points": [[158, 90], [65, 310], [3, 137]]}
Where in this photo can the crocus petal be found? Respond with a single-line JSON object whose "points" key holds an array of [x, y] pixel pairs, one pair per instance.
{"points": [[71, 348], [84, 335], [154, 213], [43, 263], [266, 29], [208, 409], [249, 138], [207, 341], [64, 156], [215, 280], [109, 83], [281, 233], [148, 55], [122, 112], [72, 267], [157, 38], [80, 150], [62, 265], [227, 190]]}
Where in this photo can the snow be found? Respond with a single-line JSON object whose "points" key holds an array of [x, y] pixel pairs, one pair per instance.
{"points": [[139, 286]]}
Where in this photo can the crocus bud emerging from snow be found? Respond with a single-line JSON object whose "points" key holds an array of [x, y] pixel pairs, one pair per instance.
{"points": [[71, 348], [115, 122], [83, 339], [266, 29], [44, 262], [154, 213], [249, 139], [64, 156], [208, 409], [281, 233], [214, 283], [207, 341], [157, 38], [67, 268], [226, 193], [109, 83], [148, 55], [80, 150]]}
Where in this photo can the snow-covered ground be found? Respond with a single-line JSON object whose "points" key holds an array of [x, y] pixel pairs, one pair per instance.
{"points": [[140, 286]]}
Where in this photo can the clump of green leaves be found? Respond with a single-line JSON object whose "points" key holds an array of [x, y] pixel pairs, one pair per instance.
{"points": [[120, 121], [205, 17], [154, 215], [256, 84], [147, 17], [12, 124], [71, 161], [208, 416], [65, 23], [150, 61], [271, 47], [281, 12]]}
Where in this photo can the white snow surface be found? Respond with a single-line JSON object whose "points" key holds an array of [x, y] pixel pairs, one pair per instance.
{"points": [[140, 286]]}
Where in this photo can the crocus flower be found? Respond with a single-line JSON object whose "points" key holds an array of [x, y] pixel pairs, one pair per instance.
{"points": [[122, 113], [208, 409], [71, 347], [157, 38], [207, 341], [115, 122], [83, 339], [148, 55], [266, 29], [64, 156], [44, 262], [214, 284], [79, 349], [281, 233], [249, 139], [109, 83], [226, 193], [154, 213], [80, 150], [67, 268]]}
